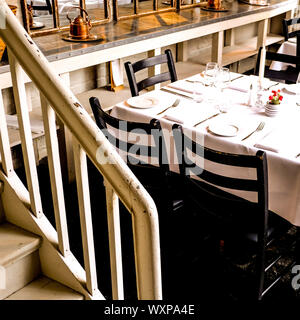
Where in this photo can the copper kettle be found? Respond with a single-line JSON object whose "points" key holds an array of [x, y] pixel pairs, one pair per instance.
{"points": [[80, 27]]}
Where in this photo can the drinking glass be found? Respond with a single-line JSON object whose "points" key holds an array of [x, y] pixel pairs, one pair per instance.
{"points": [[198, 90], [222, 81], [210, 75], [298, 91], [223, 78]]}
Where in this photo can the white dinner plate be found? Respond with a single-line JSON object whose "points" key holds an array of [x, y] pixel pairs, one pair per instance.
{"points": [[141, 102], [37, 25], [224, 129]]}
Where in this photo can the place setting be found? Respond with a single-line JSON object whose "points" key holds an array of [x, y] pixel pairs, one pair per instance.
{"points": [[149, 101]]}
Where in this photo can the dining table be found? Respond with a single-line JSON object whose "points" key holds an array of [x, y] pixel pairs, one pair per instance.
{"points": [[224, 117]]}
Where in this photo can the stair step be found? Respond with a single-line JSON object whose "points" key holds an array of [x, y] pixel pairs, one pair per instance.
{"points": [[45, 289], [19, 258]]}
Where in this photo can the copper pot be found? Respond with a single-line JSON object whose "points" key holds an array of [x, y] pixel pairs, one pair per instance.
{"points": [[80, 27], [215, 4]]}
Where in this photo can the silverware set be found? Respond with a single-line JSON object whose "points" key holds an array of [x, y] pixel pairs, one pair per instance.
{"points": [[239, 77], [259, 128], [272, 85], [174, 105], [176, 93], [214, 115]]}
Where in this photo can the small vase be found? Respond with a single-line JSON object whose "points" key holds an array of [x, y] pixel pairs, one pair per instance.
{"points": [[271, 109]]}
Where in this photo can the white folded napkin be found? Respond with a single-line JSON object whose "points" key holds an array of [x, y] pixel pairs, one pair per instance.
{"points": [[185, 86], [37, 126], [238, 88], [281, 141], [189, 113], [242, 84]]}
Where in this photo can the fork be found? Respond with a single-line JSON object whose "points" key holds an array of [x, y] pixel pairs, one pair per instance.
{"points": [[174, 105], [259, 128], [272, 85]]}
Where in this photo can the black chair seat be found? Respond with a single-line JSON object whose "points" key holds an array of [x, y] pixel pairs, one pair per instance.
{"points": [[233, 212]]}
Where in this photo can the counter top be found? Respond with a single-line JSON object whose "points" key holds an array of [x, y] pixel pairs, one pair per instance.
{"points": [[135, 29], [147, 27]]}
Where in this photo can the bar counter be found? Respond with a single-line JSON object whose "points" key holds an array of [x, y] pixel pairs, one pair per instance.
{"points": [[136, 35]]}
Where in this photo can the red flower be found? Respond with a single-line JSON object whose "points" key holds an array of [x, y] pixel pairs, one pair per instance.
{"points": [[276, 97]]}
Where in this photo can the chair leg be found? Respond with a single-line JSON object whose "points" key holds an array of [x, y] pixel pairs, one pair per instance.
{"points": [[297, 248], [260, 268]]}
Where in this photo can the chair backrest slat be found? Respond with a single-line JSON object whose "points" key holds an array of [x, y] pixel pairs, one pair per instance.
{"points": [[190, 167], [148, 138], [132, 68], [148, 82], [149, 62]]}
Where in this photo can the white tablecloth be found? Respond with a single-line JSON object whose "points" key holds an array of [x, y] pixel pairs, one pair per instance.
{"points": [[281, 135]]}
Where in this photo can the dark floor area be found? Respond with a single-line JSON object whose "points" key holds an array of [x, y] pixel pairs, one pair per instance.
{"points": [[194, 269]]}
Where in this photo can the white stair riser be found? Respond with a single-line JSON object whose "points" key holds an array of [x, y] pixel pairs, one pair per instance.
{"points": [[20, 273]]}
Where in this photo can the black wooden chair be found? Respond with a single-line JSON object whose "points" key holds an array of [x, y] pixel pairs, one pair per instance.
{"points": [[289, 76], [46, 7], [132, 68], [234, 219], [143, 148], [286, 23]]}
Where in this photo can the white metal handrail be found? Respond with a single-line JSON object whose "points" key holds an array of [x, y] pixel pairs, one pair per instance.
{"points": [[88, 140]]}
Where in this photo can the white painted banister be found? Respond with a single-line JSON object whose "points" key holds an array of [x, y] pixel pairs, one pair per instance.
{"points": [[92, 141], [115, 245], [6, 159], [83, 191], [25, 135], [55, 176]]}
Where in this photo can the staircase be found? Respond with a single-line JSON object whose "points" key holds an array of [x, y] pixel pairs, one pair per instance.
{"points": [[36, 261], [20, 276]]}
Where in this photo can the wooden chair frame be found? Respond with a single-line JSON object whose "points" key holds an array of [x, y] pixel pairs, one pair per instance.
{"points": [[211, 182], [290, 75], [132, 68], [285, 26]]}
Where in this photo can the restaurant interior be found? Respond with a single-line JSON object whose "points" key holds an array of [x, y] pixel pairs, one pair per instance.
{"points": [[149, 150]]}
